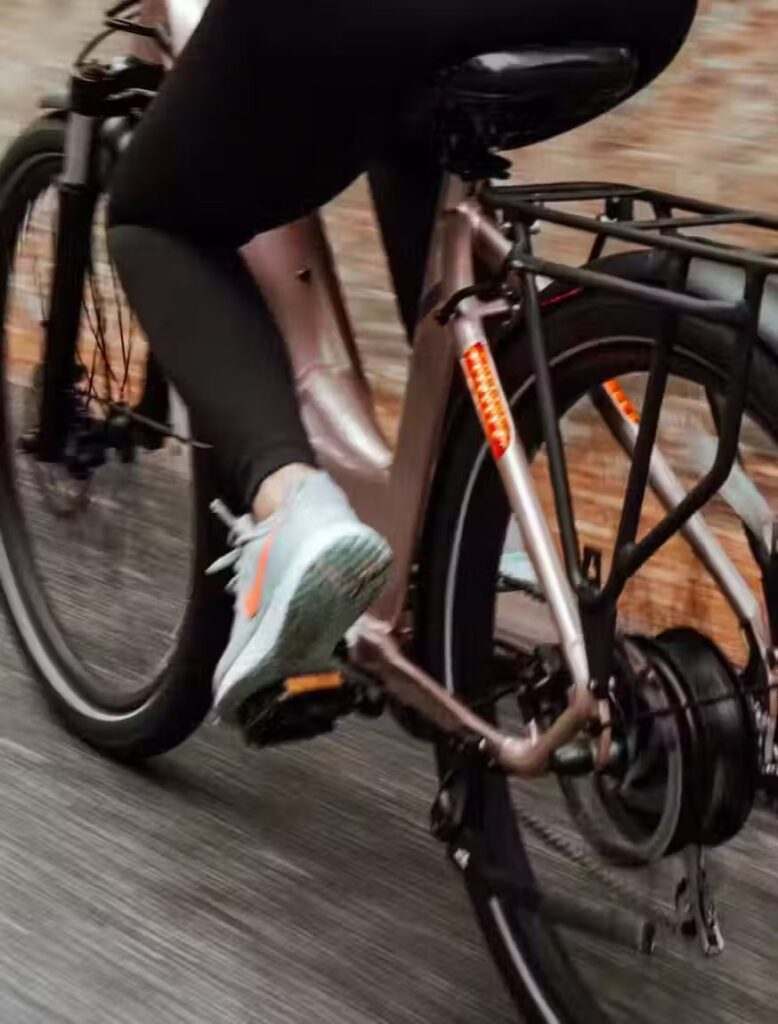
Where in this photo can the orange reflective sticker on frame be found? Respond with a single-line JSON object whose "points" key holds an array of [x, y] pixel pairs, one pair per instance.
{"points": [[485, 387], [616, 392]]}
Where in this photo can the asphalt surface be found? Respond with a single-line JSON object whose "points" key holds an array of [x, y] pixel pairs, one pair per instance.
{"points": [[224, 885]]}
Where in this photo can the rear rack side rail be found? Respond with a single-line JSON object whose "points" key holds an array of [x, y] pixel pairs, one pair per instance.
{"points": [[521, 207]]}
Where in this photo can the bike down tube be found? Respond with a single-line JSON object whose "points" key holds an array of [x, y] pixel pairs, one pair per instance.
{"points": [[668, 489], [464, 224]]}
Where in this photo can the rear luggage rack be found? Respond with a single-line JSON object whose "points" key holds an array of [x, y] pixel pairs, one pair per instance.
{"points": [[671, 214], [663, 228]]}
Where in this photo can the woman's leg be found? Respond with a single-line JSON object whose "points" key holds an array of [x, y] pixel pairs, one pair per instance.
{"points": [[213, 335]]}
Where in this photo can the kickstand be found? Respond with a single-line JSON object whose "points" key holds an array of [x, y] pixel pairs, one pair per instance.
{"points": [[694, 903]]}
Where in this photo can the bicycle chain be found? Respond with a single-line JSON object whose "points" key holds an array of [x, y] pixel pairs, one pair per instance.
{"points": [[513, 586], [577, 855]]}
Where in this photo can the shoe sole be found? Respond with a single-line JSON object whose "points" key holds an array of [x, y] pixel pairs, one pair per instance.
{"points": [[327, 588]]}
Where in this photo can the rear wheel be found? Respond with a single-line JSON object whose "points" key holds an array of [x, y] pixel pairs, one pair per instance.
{"points": [[544, 839], [102, 553]]}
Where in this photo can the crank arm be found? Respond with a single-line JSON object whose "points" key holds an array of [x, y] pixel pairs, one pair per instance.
{"points": [[375, 650]]}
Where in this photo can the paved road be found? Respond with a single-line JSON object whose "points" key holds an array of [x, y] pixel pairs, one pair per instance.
{"points": [[224, 885]]}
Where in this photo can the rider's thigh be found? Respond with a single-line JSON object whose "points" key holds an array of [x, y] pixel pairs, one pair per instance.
{"points": [[274, 108], [253, 128]]}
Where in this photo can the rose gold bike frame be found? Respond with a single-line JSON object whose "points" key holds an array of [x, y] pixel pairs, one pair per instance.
{"points": [[295, 270]]}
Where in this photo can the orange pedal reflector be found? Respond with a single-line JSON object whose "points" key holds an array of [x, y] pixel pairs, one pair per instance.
{"points": [[616, 392], [298, 685], [489, 397]]}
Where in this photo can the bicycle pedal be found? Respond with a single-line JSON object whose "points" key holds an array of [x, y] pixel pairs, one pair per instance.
{"points": [[301, 708]]}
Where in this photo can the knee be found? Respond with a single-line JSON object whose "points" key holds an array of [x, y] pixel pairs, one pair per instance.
{"points": [[133, 252], [135, 195], [121, 208], [123, 240]]}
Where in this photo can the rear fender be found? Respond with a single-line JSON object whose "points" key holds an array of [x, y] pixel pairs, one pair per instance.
{"points": [[707, 279]]}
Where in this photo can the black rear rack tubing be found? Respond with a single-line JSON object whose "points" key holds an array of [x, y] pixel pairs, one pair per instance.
{"points": [[631, 557], [693, 246], [548, 415], [652, 407], [511, 196]]}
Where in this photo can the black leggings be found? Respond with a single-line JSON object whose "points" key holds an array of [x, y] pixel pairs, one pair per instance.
{"points": [[272, 110]]}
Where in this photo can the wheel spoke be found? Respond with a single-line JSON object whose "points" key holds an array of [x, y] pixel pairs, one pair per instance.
{"points": [[120, 325]]}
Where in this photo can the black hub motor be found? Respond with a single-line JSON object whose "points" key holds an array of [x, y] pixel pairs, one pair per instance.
{"points": [[689, 770]]}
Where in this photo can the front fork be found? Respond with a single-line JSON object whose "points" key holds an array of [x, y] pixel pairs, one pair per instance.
{"points": [[78, 190], [93, 102]]}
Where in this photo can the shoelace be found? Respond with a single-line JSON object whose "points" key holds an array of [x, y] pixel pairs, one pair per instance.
{"points": [[241, 532]]}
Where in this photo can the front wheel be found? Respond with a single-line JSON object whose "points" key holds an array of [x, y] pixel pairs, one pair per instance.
{"points": [[103, 548], [475, 622]]}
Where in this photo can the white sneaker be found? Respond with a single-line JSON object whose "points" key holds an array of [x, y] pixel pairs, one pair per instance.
{"points": [[301, 579]]}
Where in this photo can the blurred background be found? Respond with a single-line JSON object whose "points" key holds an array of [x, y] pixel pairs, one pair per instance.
{"points": [[708, 127], [221, 885]]}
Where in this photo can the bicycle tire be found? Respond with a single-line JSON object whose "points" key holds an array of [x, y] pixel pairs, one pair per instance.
{"points": [[178, 698], [590, 339]]}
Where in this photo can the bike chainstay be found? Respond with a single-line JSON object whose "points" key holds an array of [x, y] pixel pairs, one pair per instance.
{"points": [[534, 593]]}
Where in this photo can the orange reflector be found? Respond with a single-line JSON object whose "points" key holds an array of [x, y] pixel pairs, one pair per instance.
{"points": [[489, 397], [616, 392], [298, 685]]}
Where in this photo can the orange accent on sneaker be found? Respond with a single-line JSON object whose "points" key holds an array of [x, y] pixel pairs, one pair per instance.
{"points": [[253, 598], [297, 685]]}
